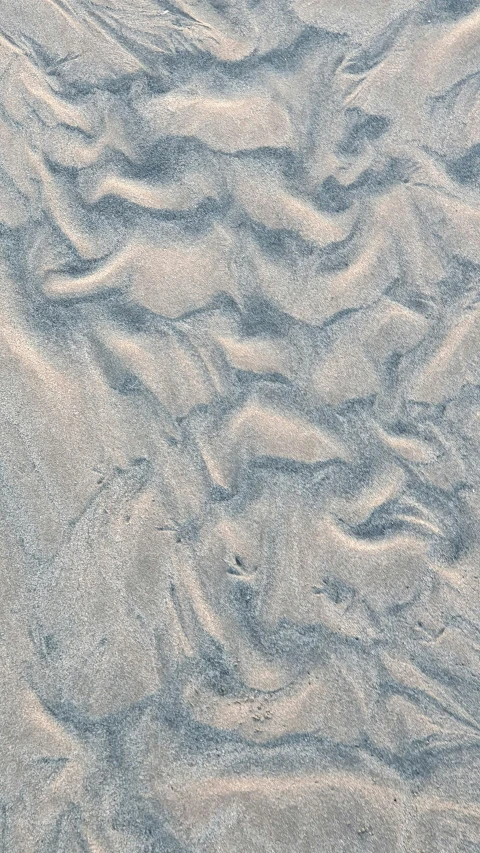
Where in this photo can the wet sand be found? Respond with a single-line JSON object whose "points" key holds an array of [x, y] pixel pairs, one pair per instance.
{"points": [[240, 426]]}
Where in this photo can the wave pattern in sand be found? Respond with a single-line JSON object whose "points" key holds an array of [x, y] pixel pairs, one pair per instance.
{"points": [[240, 420]]}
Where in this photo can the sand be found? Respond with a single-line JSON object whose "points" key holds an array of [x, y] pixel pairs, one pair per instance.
{"points": [[240, 426]]}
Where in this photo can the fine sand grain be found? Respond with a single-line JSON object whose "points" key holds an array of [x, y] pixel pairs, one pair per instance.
{"points": [[240, 426]]}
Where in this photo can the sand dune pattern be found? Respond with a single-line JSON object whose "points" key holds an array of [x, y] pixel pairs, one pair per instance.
{"points": [[240, 405]]}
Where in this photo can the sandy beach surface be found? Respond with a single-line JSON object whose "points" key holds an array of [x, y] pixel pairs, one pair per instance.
{"points": [[240, 426]]}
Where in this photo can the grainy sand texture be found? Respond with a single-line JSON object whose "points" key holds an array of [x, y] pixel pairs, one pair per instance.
{"points": [[240, 426]]}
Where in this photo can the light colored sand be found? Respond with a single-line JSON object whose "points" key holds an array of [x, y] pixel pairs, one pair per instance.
{"points": [[240, 426]]}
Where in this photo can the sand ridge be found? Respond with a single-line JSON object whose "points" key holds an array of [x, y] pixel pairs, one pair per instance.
{"points": [[239, 403]]}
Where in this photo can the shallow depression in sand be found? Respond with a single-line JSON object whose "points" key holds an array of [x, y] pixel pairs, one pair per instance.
{"points": [[240, 426]]}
